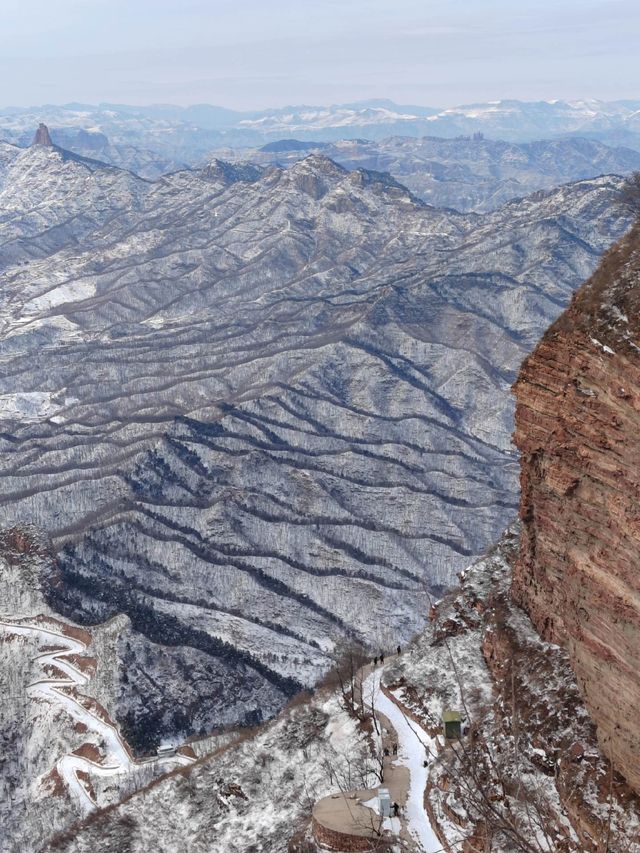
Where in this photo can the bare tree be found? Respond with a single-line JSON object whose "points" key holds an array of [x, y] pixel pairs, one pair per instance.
{"points": [[347, 671], [630, 193]]}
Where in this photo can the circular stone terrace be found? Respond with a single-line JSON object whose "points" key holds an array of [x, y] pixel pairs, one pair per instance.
{"points": [[346, 822]]}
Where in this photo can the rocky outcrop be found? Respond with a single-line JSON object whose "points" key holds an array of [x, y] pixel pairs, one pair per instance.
{"points": [[525, 719], [578, 430], [42, 136]]}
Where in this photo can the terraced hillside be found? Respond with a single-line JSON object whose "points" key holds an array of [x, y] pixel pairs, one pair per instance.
{"points": [[259, 412]]}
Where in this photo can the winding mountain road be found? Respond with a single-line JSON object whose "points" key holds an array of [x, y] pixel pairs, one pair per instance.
{"points": [[59, 691]]}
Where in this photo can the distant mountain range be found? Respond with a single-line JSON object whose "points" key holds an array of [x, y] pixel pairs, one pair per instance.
{"points": [[187, 134], [468, 174]]}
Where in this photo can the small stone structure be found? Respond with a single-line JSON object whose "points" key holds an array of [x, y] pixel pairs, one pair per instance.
{"points": [[342, 822]]}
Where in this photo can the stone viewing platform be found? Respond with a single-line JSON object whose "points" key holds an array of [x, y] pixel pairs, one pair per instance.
{"points": [[350, 821]]}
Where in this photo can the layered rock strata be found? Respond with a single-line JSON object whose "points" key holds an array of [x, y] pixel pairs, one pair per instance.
{"points": [[578, 430]]}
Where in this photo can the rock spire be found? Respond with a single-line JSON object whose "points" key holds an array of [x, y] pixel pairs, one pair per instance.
{"points": [[42, 136]]}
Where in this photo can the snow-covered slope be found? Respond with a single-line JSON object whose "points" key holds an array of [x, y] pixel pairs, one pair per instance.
{"points": [[63, 755], [465, 173], [526, 775], [265, 411], [51, 199]]}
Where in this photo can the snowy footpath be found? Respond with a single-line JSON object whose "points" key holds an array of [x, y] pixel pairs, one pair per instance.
{"points": [[60, 691], [413, 743]]}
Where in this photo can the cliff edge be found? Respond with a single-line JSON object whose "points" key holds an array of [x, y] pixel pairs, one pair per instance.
{"points": [[578, 431]]}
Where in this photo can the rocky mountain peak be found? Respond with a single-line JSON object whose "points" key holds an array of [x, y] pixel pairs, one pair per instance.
{"points": [[315, 174], [42, 136], [229, 173], [321, 164]]}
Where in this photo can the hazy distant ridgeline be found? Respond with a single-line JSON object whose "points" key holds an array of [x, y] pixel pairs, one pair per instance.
{"points": [[158, 139], [185, 133]]}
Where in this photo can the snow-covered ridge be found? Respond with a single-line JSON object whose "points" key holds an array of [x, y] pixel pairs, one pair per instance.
{"points": [[465, 173], [322, 118]]}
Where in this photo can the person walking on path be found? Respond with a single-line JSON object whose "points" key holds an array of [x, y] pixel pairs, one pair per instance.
{"points": [[396, 810], [375, 661], [399, 650], [381, 658]]}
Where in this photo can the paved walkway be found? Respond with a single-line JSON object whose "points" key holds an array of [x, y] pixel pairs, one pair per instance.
{"points": [[408, 768], [405, 777]]}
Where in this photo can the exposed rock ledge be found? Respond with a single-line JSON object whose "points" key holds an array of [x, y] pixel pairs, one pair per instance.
{"points": [[578, 430]]}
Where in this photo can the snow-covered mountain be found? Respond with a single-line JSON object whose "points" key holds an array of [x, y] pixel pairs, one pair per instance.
{"points": [[51, 199], [525, 120], [466, 173], [265, 412]]}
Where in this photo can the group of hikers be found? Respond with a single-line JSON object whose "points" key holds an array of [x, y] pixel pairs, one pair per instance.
{"points": [[380, 657]]}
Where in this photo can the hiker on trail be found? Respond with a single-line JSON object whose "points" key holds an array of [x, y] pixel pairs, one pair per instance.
{"points": [[396, 809], [386, 751], [395, 749], [399, 650], [375, 661], [381, 658]]}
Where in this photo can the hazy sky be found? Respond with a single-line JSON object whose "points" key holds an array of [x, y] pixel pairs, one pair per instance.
{"points": [[257, 53]]}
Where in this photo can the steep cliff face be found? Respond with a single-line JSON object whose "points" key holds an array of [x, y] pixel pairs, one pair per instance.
{"points": [[578, 430]]}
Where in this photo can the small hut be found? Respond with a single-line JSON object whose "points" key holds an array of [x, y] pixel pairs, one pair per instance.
{"points": [[384, 802], [452, 724]]}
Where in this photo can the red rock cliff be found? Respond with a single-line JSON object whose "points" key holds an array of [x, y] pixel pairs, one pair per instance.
{"points": [[578, 430]]}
